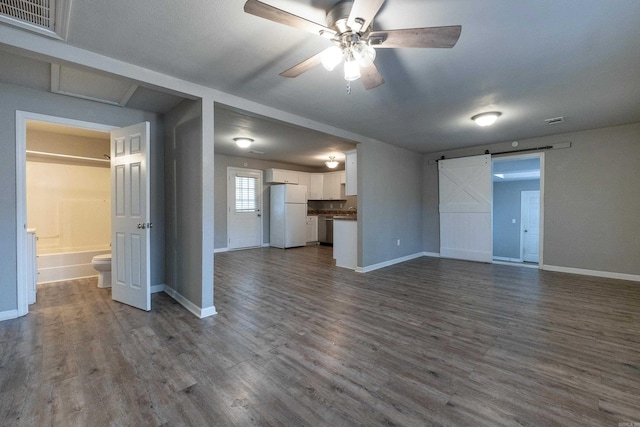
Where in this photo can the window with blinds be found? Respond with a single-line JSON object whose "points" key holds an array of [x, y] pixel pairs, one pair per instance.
{"points": [[246, 194]]}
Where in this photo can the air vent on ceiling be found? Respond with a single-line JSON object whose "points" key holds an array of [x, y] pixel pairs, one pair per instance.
{"points": [[256, 152], [47, 17], [555, 120]]}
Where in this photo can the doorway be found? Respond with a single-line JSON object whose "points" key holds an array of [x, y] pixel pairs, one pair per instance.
{"points": [[517, 209], [68, 198]]}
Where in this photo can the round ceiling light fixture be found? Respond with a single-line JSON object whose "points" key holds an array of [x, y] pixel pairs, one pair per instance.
{"points": [[243, 142], [486, 119], [332, 162]]}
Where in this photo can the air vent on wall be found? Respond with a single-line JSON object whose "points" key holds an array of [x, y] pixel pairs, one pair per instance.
{"points": [[47, 17], [555, 120]]}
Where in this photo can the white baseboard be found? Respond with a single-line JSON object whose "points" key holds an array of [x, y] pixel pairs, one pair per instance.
{"points": [[9, 314], [388, 263], [197, 311], [215, 251], [431, 254], [597, 273], [265, 245], [157, 288]]}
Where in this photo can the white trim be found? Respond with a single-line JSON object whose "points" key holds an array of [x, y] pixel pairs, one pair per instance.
{"points": [[506, 259], [216, 251], [431, 254], [197, 311], [388, 263], [266, 245], [596, 273], [9, 314], [156, 288], [21, 191]]}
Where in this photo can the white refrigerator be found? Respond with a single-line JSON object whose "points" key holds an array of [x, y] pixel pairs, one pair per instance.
{"points": [[288, 216]]}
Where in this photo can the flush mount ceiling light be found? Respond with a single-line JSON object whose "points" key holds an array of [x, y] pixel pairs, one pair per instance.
{"points": [[486, 119], [243, 142], [332, 162]]}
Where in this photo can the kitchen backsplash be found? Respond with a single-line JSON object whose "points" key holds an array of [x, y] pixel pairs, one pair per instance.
{"points": [[333, 206]]}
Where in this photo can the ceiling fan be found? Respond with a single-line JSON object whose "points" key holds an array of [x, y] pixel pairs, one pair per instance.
{"points": [[350, 27]]}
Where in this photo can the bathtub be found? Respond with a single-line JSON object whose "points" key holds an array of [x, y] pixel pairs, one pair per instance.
{"points": [[56, 267]]}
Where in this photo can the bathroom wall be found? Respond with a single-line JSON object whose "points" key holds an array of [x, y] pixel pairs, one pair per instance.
{"points": [[68, 201]]}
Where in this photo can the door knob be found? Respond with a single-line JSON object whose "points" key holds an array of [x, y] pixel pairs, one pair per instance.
{"points": [[526, 231]]}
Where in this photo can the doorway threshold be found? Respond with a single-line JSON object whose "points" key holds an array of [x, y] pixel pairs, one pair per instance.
{"points": [[517, 264]]}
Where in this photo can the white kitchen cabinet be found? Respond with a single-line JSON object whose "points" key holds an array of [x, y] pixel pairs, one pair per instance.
{"points": [[312, 228], [316, 186], [331, 190], [343, 177], [351, 171], [345, 243], [303, 179], [280, 176]]}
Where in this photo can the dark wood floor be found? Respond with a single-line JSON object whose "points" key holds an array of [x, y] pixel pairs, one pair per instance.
{"points": [[298, 341]]}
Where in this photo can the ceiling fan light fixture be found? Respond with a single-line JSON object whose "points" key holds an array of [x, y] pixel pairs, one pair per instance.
{"points": [[332, 163], [486, 119], [364, 54], [331, 57], [243, 142], [351, 68]]}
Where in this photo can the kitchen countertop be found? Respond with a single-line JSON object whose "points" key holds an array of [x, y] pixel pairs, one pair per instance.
{"points": [[346, 217]]}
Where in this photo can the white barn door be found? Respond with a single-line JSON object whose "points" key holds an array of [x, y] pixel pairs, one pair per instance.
{"points": [[465, 208], [130, 225]]}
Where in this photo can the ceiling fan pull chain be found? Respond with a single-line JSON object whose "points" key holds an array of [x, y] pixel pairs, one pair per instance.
{"points": [[348, 88]]}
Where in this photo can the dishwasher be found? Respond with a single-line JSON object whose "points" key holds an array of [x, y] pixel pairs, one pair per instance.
{"points": [[325, 230]]}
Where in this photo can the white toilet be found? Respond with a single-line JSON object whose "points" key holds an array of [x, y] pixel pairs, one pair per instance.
{"points": [[102, 263]]}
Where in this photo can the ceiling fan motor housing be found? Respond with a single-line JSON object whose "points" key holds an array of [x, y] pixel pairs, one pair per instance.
{"points": [[338, 15]]}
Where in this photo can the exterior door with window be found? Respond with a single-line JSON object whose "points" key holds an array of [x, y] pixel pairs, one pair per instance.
{"points": [[244, 208]]}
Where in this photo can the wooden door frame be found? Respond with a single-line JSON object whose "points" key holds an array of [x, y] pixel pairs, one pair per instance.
{"points": [[21, 190], [541, 226], [231, 169]]}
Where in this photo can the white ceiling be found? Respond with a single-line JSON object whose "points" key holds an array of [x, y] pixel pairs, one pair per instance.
{"points": [[531, 60]]}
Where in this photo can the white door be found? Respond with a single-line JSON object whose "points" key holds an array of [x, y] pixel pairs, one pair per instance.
{"points": [[131, 224], [530, 223], [465, 208], [244, 208]]}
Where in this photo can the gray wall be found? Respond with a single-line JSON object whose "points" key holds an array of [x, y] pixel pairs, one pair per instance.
{"points": [[389, 203], [183, 180], [222, 162], [591, 199], [506, 207], [14, 98]]}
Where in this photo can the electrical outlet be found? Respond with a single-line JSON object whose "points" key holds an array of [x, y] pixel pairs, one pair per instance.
{"points": [[513, 221], [398, 242]]}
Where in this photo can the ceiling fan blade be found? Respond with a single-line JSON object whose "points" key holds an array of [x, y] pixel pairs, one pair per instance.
{"points": [[365, 10], [438, 37], [371, 77], [305, 65], [263, 10]]}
